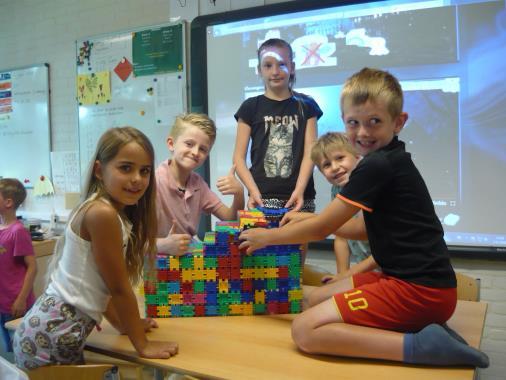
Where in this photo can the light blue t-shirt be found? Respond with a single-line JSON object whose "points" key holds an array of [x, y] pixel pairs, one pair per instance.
{"points": [[359, 249]]}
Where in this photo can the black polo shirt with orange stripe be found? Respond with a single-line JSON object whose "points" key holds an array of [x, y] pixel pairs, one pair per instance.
{"points": [[404, 232]]}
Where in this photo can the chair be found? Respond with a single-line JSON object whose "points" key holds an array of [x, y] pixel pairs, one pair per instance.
{"points": [[468, 288], [313, 275], [9, 371], [75, 372], [127, 370]]}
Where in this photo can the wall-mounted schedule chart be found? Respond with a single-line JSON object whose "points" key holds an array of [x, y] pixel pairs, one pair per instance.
{"points": [[24, 124], [134, 78]]}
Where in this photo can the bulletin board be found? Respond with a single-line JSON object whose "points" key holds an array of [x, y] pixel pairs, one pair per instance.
{"points": [[133, 78], [24, 124]]}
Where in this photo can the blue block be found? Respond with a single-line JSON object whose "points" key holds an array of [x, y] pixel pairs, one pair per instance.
{"points": [[211, 309], [211, 287], [175, 310], [173, 287], [211, 298], [247, 297], [258, 284], [161, 263], [271, 295], [294, 283], [282, 260], [235, 285]]}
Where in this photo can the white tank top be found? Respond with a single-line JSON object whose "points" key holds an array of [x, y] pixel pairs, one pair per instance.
{"points": [[76, 278]]}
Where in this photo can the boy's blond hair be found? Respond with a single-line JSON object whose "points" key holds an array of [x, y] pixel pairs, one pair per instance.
{"points": [[330, 142], [199, 120], [13, 189], [373, 85]]}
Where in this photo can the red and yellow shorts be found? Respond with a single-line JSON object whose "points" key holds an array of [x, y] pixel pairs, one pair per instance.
{"points": [[385, 302]]}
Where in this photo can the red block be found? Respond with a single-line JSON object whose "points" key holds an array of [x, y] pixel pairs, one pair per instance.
{"points": [[187, 298], [223, 273], [283, 272], [234, 250], [224, 262], [200, 310], [162, 275], [283, 308], [199, 298], [174, 275], [187, 287], [149, 288], [235, 273], [151, 311], [272, 307], [247, 285]]}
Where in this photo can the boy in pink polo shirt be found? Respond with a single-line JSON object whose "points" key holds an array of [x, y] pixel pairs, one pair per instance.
{"points": [[182, 194], [17, 260]]}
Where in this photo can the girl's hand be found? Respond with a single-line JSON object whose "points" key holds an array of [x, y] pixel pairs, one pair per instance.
{"points": [[156, 349], [229, 184], [254, 201], [148, 324], [254, 238], [296, 201]]}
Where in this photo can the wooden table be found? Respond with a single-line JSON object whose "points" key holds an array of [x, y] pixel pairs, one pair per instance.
{"points": [[260, 347]]}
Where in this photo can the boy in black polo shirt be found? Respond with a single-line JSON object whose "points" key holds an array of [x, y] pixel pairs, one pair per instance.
{"points": [[399, 313]]}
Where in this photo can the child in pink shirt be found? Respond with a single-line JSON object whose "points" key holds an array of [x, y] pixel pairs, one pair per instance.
{"points": [[17, 260], [182, 194]]}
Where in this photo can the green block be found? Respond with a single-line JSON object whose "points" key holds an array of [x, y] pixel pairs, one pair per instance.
{"points": [[295, 258], [223, 298], [223, 310], [161, 288], [198, 286], [235, 298], [210, 262], [162, 299], [295, 307], [259, 308], [187, 310], [186, 262], [248, 261], [271, 284], [294, 271], [270, 261], [151, 299]]}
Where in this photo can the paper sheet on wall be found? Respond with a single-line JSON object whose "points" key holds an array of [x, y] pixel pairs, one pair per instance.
{"points": [[65, 172], [169, 98]]}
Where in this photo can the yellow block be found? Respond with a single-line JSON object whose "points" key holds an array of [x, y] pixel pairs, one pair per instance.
{"points": [[294, 294], [198, 262], [210, 274], [187, 275], [223, 286], [173, 262], [247, 273], [176, 299], [259, 296]]}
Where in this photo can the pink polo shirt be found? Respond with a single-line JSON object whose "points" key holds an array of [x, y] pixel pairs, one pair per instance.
{"points": [[15, 242], [185, 207]]}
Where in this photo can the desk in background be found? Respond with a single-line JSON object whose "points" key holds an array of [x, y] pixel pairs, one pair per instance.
{"points": [[261, 347]]}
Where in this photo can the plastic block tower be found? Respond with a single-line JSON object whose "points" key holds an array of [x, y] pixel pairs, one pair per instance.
{"points": [[215, 279]]}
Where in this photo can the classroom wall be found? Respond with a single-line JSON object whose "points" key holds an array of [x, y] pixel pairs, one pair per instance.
{"points": [[35, 31]]}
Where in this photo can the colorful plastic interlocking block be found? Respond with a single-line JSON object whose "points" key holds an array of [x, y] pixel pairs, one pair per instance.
{"points": [[215, 279]]}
